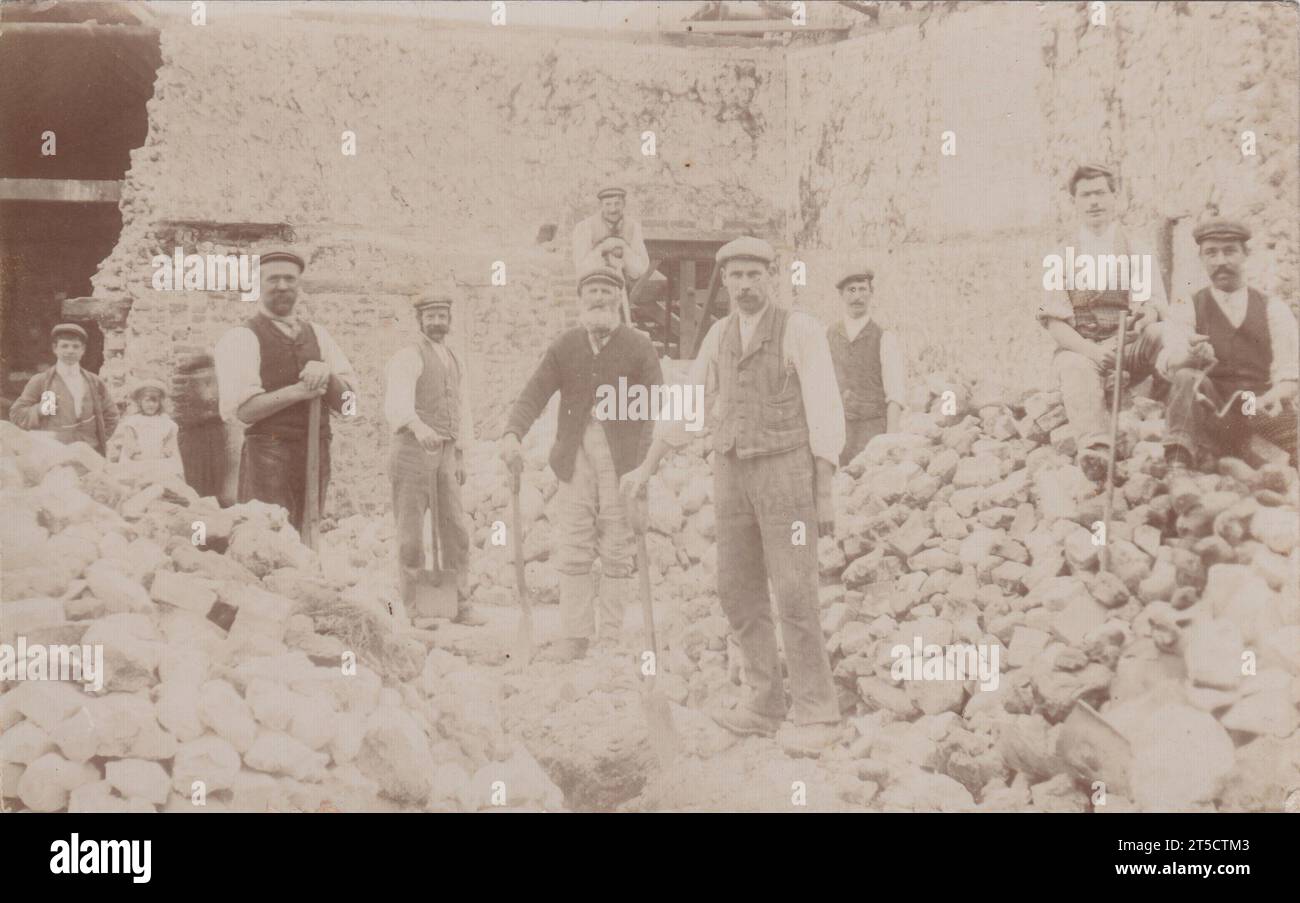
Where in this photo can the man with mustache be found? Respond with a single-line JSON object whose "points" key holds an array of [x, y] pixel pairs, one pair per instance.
{"points": [[268, 371], [589, 456], [1083, 321], [427, 409], [1256, 349], [778, 429], [614, 239], [869, 367]]}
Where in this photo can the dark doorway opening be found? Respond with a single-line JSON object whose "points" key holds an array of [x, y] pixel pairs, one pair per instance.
{"points": [[75, 79]]}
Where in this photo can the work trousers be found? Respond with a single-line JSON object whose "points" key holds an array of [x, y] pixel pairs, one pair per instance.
{"points": [[758, 502]]}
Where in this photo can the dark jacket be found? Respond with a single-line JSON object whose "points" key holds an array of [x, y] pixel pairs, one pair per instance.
{"points": [[26, 411], [570, 367]]}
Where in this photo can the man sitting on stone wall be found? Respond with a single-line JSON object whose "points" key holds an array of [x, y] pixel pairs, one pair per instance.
{"points": [[66, 400], [1253, 375], [1082, 313], [612, 238]]}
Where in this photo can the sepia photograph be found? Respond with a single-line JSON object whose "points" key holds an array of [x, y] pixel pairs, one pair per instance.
{"points": [[649, 407]]}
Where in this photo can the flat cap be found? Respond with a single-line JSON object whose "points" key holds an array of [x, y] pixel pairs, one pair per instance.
{"points": [[145, 385], [600, 273], [611, 191], [747, 247], [1221, 228], [1092, 171], [72, 330], [434, 299], [854, 271], [283, 254]]}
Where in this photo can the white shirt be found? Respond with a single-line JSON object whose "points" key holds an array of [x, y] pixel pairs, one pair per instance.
{"points": [[238, 359], [1055, 305], [1283, 332], [893, 368], [805, 348], [403, 370], [76, 384], [636, 260]]}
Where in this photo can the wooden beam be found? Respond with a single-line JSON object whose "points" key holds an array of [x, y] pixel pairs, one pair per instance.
{"points": [[80, 191], [754, 27], [77, 29]]}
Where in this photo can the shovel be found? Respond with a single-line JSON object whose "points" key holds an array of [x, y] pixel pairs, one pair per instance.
{"points": [[654, 705], [522, 651]]}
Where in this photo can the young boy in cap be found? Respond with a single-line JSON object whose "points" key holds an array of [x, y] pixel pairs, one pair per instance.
{"points": [[869, 367], [268, 371], [1256, 350], [66, 400], [149, 436], [589, 456], [427, 408], [613, 239], [778, 429]]}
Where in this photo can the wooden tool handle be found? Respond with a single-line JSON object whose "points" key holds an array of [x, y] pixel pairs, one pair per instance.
{"points": [[647, 608], [517, 528], [311, 497]]}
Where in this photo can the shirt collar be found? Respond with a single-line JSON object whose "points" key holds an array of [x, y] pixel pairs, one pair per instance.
{"points": [[1105, 237], [854, 326], [748, 320], [65, 371], [1229, 299]]}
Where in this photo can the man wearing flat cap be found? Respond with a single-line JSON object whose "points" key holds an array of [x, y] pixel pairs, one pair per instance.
{"points": [[1255, 357], [591, 453], [777, 431], [268, 371], [66, 400], [1082, 317], [869, 366], [614, 239], [427, 408]]}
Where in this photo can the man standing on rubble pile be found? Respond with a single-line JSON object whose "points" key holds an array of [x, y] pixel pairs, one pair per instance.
{"points": [[778, 429], [1083, 320], [612, 238], [1256, 350], [589, 456], [268, 371], [72, 403], [869, 366], [427, 409]]}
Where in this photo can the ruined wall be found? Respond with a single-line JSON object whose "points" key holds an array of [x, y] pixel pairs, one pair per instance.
{"points": [[1161, 90], [468, 140]]}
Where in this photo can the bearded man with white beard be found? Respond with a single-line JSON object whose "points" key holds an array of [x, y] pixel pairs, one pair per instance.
{"points": [[589, 457]]}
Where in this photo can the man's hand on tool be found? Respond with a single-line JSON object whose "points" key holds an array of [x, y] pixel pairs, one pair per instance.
{"points": [[316, 374], [306, 392], [1272, 401], [511, 454], [633, 484]]}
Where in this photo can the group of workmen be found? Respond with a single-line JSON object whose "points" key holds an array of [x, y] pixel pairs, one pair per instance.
{"points": [[790, 401]]}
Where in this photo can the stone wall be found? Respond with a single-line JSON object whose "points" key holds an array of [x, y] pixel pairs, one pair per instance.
{"points": [[1164, 91]]}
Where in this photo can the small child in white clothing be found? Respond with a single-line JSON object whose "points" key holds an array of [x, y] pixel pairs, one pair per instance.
{"points": [[148, 434]]}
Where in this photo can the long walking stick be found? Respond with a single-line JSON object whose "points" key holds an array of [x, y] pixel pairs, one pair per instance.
{"points": [[1114, 439], [311, 503]]}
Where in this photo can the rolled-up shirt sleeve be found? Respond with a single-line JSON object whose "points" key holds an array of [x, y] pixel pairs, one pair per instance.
{"points": [[238, 360], [466, 413], [893, 368], [334, 357], [638, 259], [701, 373], [400, 375], [808, 350], [1284, 335]]}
